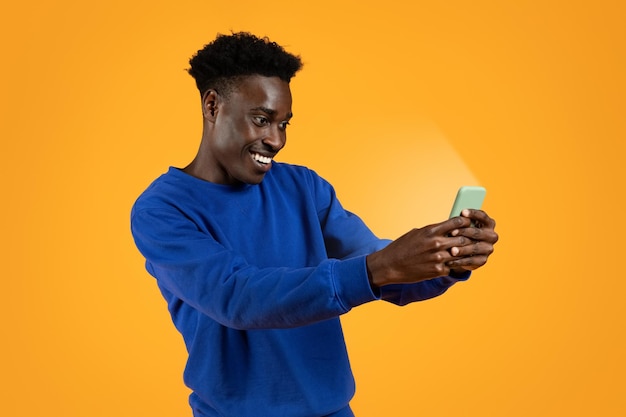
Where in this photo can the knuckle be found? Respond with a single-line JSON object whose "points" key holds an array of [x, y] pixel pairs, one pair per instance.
{"points": [[437, 243]]}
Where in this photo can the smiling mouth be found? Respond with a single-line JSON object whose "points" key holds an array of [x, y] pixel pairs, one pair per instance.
{"points": [[261, 159]]}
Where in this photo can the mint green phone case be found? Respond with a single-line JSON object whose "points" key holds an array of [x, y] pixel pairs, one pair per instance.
{"points": [[468, 197]]}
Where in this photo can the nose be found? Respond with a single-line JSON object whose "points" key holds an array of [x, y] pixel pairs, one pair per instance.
{"points": [[276, 138]]}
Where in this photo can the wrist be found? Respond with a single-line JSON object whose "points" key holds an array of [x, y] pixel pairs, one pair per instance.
{"points": [[375, 268]]}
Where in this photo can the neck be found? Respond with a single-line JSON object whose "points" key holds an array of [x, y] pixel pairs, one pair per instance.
{"points": [[197, 167]]}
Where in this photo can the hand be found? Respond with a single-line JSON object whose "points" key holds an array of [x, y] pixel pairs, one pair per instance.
{"points": [[419, 255], [436, 250], [482, 237]]}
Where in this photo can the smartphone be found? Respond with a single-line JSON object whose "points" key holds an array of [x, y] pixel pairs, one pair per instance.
{"points": [[468, 197]]}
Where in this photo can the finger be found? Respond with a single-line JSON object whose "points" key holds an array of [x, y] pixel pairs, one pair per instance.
{"points": [[467, 263], [481, 234], [435, 265], [479, 217], [447, 227], [478, 248], [454, 244]]}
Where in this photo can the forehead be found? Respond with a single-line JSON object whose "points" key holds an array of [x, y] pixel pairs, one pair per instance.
{"points": [[268, 92]]}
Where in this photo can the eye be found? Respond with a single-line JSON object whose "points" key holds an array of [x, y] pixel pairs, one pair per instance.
{"points": [[261, 120], [284, 125]]}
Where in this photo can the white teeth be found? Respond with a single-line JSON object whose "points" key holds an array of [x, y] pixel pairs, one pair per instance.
{"points": [[262, 159]]}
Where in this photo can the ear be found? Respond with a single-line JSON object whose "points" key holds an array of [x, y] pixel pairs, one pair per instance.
{"points": [[210, 104]]}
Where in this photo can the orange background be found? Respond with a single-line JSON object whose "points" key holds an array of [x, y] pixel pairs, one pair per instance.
{"points": [[397, 105]]}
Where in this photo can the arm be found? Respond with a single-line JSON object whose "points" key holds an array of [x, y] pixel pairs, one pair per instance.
{"points": [[346, 235], [218, 282]]}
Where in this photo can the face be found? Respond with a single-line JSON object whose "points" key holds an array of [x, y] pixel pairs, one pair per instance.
{"points": [[247, 129]]}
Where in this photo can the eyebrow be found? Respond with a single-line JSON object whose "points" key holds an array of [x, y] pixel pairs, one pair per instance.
{"points": [[271, 112]]}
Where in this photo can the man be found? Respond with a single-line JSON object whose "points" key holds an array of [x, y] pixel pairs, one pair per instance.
{"points": [[257, 259]]}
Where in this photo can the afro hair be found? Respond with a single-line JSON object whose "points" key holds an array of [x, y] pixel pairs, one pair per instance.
{"points": [[229, 57]]}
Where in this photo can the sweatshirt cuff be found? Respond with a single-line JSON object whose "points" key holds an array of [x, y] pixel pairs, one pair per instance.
{"points": [[352, 284]]}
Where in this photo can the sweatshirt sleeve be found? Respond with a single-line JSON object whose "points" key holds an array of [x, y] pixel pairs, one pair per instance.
{"points": [[218, 282]]}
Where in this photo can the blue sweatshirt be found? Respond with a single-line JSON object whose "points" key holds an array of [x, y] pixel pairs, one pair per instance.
{"points": [[256, 277]]}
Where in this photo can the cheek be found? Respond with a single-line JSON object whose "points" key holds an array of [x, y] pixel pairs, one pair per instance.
{"points": [[242, 131]]}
